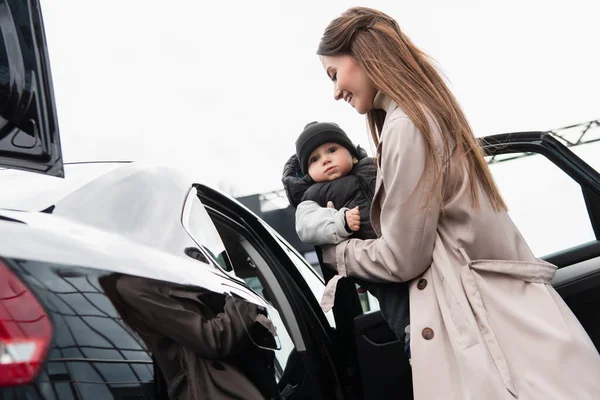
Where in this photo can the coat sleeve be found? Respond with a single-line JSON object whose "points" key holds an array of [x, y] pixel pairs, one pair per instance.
{"points": [[214, 337], [408, 228], [318, 225]]}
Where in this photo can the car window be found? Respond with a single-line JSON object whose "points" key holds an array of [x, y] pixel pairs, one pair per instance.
{"points": [[200, 227], [249, 265], [544, 202]]}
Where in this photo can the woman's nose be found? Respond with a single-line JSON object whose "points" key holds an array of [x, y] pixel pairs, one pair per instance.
{"points": [[337, 93]]}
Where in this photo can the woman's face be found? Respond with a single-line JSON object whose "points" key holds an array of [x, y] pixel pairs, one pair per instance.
{"points": [[350, 82]]}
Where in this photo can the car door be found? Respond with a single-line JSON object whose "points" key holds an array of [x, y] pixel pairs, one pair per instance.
{"points": [[311, 368], [29, 137], [553, 196]]}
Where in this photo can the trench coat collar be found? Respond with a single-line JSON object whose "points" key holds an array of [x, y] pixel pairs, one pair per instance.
{"points": [[384, 102]]}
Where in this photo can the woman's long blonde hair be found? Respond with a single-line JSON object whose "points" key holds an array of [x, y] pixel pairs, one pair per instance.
{"points": [[407, 75]]}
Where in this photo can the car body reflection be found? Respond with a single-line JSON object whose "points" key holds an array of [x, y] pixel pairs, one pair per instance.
{"points": [[207, 345]]}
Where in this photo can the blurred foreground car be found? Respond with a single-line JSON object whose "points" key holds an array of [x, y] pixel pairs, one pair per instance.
{"points": [[83, 262]]}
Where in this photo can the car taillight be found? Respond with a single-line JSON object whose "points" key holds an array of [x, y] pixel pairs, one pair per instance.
{"points": [[25, 331]]}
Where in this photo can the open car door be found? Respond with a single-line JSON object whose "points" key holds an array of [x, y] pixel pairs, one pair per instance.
{"points": [[29, 138], [553, 196], [563, 221]]}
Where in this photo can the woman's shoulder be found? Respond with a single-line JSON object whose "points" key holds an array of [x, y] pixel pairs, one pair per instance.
{"points": [[396, 113], [395, 118], [398, 127]]}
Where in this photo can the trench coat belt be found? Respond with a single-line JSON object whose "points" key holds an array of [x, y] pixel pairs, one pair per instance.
{"points": [[534, 272]]}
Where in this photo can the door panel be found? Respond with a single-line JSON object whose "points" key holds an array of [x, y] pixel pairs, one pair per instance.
{"points": [[257, 257], [579, 286], [570, 228], [377, 345], [575, 255]]}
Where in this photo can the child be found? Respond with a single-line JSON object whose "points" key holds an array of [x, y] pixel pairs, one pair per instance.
{"points": [[329, 171]]}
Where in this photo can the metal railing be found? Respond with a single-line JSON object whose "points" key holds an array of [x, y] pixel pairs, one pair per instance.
{"points": [[570, 136]]}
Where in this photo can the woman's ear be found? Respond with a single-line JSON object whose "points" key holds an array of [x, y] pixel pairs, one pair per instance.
{"points": [[354, 160]]}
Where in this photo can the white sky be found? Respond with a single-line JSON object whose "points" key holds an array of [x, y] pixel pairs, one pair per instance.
{"points": [[222, 88]]}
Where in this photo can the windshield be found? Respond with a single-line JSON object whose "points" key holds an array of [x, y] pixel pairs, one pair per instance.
{"points": [[21, 190]]}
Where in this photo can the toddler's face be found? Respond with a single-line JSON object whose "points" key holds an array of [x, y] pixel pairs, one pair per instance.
{"points": [[328, 162]]}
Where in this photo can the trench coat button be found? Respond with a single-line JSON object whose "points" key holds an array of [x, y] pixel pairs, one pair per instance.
{"points": [[218, 366], [427, 333], [422, 284]]}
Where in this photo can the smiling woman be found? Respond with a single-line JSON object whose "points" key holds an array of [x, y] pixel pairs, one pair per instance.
{"points": [[350, 82], [478, 294]]}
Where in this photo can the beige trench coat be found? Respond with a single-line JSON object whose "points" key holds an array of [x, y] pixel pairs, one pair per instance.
{"points": [[485, 323]]}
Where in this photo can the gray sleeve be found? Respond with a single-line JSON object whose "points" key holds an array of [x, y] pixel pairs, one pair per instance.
{"points": [[318, 225]]}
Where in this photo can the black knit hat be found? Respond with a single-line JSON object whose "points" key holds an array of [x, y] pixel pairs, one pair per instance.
{"points": [[316, 134]]}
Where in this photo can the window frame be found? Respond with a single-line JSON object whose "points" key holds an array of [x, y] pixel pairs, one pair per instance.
{"points": [[587, 177], [186, 212], [281, 298]]}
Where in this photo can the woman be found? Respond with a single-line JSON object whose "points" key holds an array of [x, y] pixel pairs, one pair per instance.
{"points": [[485, 323]]}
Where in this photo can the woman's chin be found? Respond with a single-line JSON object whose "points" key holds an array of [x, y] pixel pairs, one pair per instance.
{"points": [[361, 109]]}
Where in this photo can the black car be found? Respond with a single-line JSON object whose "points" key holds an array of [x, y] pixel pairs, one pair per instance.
{"points": [[70, 328]]}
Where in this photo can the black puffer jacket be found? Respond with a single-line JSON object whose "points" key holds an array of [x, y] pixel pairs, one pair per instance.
{"points": [[354, 189]]}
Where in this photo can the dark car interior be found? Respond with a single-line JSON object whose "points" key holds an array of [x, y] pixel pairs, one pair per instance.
{"points": [[579, 286], [375, 344]]}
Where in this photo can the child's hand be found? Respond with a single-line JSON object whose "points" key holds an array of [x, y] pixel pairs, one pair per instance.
{"points": [[353, 219]]}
